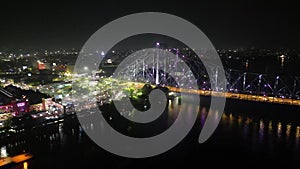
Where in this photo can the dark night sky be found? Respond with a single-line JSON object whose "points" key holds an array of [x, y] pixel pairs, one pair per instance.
{"points": [[230, 24]]}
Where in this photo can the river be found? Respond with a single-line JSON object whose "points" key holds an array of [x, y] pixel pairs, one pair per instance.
{"points": [[248, 136]]}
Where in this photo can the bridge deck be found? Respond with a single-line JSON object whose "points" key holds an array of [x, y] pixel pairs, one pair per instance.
{"points": [[250, 97]]}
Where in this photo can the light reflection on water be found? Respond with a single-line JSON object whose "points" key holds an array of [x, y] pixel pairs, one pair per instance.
{"points": [[263, 131], [288, 130], [279, 130], [297, 136], [255, 130]]}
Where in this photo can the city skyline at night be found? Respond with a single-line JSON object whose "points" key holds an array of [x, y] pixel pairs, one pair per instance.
{"points": [[149, 84]]}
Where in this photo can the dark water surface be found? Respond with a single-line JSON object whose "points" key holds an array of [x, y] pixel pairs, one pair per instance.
{"points": [[249, 135]]}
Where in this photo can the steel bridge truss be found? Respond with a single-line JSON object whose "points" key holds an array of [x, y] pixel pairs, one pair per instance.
{"points": [[152, 68]]}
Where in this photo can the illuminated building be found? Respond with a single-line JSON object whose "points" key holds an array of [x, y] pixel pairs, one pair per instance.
{"points": [[41, 65]]}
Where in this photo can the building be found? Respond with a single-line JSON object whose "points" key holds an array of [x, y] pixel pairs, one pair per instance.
{"points": [[15, 101], [10, 104]]}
